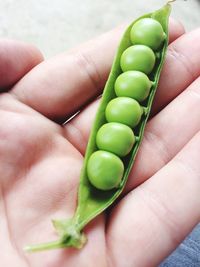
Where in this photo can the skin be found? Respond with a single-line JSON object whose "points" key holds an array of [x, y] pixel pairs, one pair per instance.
{"points": [[41, 160]]}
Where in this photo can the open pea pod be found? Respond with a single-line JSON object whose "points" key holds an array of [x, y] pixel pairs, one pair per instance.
{"points": [[92, 201]]}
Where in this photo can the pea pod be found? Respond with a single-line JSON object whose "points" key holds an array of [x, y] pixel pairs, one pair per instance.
{"points": [[92, 201]]}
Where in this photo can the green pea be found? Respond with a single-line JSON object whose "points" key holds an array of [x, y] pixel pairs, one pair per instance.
{"points": [[148, 32], [124, 110], [116, 138], [134, 84], [105, 170], [138, 57]]}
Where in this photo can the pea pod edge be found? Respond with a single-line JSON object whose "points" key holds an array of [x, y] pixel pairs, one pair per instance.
{"points": [[91, 201]]}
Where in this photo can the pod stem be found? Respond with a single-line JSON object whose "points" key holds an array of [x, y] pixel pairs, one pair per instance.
{"points": [[70, 236], [45, 246]]}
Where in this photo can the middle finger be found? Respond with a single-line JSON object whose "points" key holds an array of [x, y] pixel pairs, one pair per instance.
{"points": [[165, 134]]}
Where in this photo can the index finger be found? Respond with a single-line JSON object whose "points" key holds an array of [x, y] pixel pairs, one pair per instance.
{"points": [[58, 87], [16, 59]]}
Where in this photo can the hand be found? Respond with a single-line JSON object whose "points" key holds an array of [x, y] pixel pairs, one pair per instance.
{"points": [[41, 159]]}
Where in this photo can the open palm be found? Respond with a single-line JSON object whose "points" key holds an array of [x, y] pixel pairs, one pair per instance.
{"points": [[41, 158]]}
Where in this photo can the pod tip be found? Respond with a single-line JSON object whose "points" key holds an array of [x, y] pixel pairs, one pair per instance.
{"points": [[172, 1]]}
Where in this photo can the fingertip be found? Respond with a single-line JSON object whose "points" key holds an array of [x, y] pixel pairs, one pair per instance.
{"points": [[35, 54], [16, 59], [176, 29]]}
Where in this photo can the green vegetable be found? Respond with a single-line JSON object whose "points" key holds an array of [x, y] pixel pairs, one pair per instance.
{"points": [[92, 201], [138, 57], [116, 138], [124, 110], [148, 32], [105, 170], [134, 84]]}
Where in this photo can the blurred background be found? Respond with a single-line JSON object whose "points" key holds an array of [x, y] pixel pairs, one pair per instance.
{"points": [[55, 26]]}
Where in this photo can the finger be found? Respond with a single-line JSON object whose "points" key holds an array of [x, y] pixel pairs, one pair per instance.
{"points": [[163, 211], [74, 77], [182, 66], [165, 134], [176, 29], [16, 59]]}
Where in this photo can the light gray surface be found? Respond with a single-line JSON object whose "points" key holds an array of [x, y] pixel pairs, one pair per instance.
{"points": [[55, 26]]}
